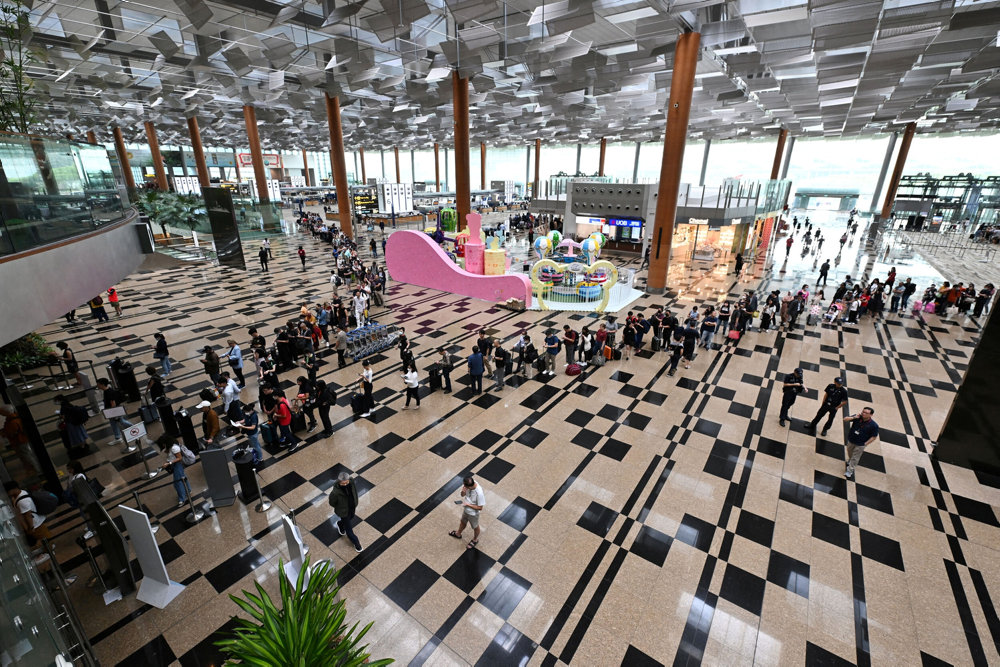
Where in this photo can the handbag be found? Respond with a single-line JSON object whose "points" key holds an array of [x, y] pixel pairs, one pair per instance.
{"points": [[734, 334]]}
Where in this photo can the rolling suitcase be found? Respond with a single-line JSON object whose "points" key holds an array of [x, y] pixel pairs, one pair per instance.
{"points": [[358, 403], [148, 413], [267, 433], [617, 355], [655, 344], [608, 353], [298, 422]]}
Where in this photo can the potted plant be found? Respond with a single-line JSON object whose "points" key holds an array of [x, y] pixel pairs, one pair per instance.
{"points": [[308, 630], [17, 103]]}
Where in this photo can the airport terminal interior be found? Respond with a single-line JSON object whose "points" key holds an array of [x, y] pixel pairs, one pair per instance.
{"points": [[753, 246]]}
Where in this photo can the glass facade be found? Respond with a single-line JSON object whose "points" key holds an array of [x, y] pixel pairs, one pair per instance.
{"points": [[51, 189]]}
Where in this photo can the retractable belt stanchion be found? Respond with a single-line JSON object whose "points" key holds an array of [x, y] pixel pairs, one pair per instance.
{"points": [[195, 516], [149, 474], [264, 504], [138, 505]]}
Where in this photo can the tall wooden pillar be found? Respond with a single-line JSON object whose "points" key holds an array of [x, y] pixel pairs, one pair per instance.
{"points": [[339, 165], [482, 165], [437, 169], [535, 194], [91, 137], [779, 151], [250, 117], [897, 171], [154, 150], [305, 168], [678, 112], [199, 152], [361, 155], [123, 159], [395, 150], [600, 163], [460, 99]]}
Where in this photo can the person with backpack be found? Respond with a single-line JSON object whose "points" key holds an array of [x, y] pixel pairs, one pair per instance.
{"points": [[209, 422], [335, 282], [250, 427], [283, 417], [30, 516], [97, 309], [175, 465], [344, 501], [74, 420], [569, 341], [326, 397]]}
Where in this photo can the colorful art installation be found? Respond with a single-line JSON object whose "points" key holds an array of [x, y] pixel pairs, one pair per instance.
{"points": [[414, 257], [589, 283], [448, 219]]}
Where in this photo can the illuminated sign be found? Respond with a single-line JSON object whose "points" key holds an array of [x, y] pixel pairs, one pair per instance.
{"points": [[697, 221], [736, 221], [270, 160]]}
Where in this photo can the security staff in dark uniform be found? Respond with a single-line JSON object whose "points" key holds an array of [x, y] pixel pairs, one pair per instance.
{"points": [[836, 397], [790, 390]]}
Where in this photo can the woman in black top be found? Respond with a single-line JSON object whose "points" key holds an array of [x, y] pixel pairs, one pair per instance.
{"points": [[154, 386], [162, 353], [307, 394], [69, 361], [326, 397]]}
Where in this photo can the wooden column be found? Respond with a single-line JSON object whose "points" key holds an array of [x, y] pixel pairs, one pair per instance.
{"points": [[779, 151], [678, 112], [199, 152], [361, 155], [437, 169], [250, 118], [395, 150], [154, 150], [600, 163], [460, 99], [897, 171], [482, 165], [338, 164], [305, 168], [123, 159], [535, 194], [91, 137]]}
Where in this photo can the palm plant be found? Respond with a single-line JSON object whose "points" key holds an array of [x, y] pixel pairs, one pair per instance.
{"points": [[309, 630], [158, 206], [191, 211]]}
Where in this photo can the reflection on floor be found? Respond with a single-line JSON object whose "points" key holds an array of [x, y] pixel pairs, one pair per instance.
{"points": [[631, 517]]}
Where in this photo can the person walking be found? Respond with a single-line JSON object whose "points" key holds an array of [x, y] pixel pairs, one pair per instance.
{"points": [[834, 399], [790, 390], [476, 368], [263, 257], [739, 264], [445, 367], [373, 246], [235, 358], [863, 432], [267, 247], [32, 522], [302, 257], [97, 309], [162, 352], [499, 366], [341, 343], [326, 397], [473, 501], [824, 270], [344, 501], [788, 247], [412, 381]]}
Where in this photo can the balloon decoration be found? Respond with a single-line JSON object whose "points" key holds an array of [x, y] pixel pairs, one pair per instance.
{"points": [[590, 248], [543, 246], [600, 238], [555, 237]]}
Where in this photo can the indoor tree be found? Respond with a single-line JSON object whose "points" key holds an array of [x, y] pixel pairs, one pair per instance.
{"points": [[308, 630], [17, 102]]}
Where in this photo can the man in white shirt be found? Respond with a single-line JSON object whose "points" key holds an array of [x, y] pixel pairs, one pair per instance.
{"points": [[32, 522], [472, 505], [360, 303]]}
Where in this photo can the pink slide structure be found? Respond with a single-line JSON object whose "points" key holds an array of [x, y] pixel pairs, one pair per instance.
{"points": [[413, 257]]}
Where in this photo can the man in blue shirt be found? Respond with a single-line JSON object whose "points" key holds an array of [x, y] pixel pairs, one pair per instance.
{"points": [[863, 432], [476, 370], [551, 350]]}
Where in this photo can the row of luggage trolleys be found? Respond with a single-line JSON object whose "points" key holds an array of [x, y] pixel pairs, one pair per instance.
{"points": [[371, 339]]}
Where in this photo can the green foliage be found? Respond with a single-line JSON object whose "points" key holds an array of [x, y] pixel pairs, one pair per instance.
{"points": [[165, 208], [17, 103], [26, 352], [308, 630]]}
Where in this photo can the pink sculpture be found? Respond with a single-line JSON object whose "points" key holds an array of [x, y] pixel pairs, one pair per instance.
{"points": [[413, 257], [475, 261]]}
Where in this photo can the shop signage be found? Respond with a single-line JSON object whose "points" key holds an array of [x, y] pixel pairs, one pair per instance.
{"points": [[270, 160], [736, 221], [697, 221]]}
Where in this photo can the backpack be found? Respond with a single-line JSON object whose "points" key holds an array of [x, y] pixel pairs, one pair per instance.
{"points": [[46, 502], [98, 301], [187, 456], [77, 415]]}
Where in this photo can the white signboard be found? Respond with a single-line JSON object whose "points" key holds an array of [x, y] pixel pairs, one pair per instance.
{"points": [[134, 432]]}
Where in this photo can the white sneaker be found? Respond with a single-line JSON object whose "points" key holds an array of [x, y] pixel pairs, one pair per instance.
{"points": [[367, 414], [848, 474]]}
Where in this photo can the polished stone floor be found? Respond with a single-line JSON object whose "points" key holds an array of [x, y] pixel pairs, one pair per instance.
{"points": [[631, 518]]}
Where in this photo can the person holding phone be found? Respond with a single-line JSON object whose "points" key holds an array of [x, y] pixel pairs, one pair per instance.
{"points": [[863, 432], [473, 501]]}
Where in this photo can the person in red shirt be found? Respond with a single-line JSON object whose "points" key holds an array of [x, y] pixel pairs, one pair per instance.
{"points": [[283, 415], [113, 298], [302, 257]]}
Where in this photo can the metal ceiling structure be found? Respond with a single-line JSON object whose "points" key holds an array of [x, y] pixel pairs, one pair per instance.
{"points": [[566, 71]]}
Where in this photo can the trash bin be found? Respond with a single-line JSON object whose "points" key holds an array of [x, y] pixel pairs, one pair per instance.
{"points": [[245, 475], [186, 428], [123, 377], [166, 411]]}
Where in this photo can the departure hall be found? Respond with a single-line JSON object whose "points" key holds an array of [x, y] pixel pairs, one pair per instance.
{"points": [[499, 332]]}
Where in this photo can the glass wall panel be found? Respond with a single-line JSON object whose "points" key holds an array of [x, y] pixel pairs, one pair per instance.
{"points": [[590, 158], [743, 160], [952, 155], [425, 167], [829, 164], [52, 189], [619, 159]]}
